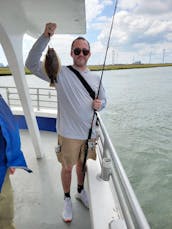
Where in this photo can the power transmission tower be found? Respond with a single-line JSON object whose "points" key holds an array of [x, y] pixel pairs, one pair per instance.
{"points": [[113, 56], [163, 56], [150, 56]]}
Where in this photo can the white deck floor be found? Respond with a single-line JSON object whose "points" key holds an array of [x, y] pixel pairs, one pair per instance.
{"points": [[39, 196]]}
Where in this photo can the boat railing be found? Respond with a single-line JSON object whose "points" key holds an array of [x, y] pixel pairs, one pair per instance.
{"points": [[120, 184], [129, 204], [41, 98]]}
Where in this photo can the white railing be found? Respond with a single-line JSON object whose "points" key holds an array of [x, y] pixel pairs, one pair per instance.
{"points": [[42, 98], [132, 212], [130, 206]]}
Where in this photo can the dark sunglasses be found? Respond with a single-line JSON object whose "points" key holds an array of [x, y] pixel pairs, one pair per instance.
{"points": [[77, 51]]}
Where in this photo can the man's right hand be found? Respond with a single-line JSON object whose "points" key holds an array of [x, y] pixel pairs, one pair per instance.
{"points": [[50, 29]]}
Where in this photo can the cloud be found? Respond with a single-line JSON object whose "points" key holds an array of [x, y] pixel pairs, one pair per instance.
{"points": [[128, 5], [28, 41], [140, 26], [169, 36], [154, 7], [94, 8], [3, 59]]}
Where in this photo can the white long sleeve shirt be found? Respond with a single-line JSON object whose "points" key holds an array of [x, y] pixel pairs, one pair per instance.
{"points": [[75, 110]]}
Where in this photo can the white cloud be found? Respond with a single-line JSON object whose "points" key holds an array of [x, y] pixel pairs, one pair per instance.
{"points": [[138, 30], [169, 37], [95, 7], [128, 5], [28, 41], [3, 59], [158, 27], [154, 7]]}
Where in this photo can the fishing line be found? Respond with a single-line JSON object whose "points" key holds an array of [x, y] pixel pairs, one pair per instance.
{"points": [[107, 47], [103, 68]]}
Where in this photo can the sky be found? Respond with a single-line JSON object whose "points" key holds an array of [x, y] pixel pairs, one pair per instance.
{"points": [[142, 31]]}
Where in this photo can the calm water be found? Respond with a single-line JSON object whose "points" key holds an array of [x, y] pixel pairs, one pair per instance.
{"points": [[139, 121]]}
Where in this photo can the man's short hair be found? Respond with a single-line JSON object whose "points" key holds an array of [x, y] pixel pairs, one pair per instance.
{"points": [[80, 38]]}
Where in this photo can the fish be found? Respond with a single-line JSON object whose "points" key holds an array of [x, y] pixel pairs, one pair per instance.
{"points": [[52, 65]]}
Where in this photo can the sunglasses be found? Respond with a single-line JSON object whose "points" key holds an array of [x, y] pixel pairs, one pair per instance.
{"points": [[77, 51]]}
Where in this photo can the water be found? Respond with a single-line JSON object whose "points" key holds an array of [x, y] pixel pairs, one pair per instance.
{"points": [[139, 121]]}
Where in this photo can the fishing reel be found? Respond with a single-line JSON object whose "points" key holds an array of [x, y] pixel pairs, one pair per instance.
{"points": [[91, 145]]}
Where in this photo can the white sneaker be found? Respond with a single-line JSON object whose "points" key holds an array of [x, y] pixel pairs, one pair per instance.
{"points": [[82, 196], [67, 210]]}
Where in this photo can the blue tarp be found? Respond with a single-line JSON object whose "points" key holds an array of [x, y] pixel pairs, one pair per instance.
{"points": [[10, 150]]}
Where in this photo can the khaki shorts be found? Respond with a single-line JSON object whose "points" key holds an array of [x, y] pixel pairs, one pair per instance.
{"points": [[73, 150]]}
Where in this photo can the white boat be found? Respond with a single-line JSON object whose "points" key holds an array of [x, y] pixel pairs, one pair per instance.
{"points": [[39, 196]]}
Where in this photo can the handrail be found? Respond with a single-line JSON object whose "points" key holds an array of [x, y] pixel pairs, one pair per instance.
{"points": [[41, 97], [125, 191]]}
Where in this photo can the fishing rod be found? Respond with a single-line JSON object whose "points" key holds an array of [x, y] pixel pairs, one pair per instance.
{"points": [[94, 112]]}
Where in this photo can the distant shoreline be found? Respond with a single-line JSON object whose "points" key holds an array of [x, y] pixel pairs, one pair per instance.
{"points": [[127, 66], [6, 71]]}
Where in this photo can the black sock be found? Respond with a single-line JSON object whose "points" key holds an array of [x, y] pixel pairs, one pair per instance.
{"points": [[67, 195], [80, 188]]}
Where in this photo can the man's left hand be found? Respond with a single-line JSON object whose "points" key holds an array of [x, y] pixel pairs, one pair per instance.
{"points": [[97, 104]]}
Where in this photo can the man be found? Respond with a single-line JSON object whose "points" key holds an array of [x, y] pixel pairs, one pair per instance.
{"points": [[75, 111]]}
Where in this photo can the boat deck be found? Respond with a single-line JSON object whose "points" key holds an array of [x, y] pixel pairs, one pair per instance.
{"points": [[38, 197]]}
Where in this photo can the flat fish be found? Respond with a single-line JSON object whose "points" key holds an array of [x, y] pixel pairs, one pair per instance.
{"points": [[52, 66]]}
